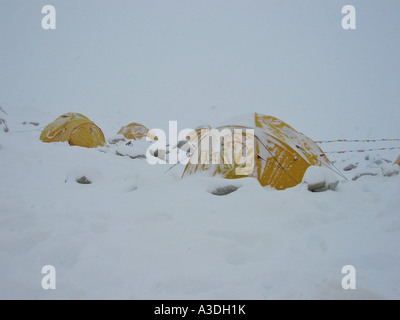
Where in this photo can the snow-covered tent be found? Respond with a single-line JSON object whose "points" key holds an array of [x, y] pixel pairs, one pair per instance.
{"points": [[280, 155], [75, 128], [135, 131]]}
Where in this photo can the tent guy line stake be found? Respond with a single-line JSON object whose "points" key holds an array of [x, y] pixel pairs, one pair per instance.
{"points": [[294, 160], [1, 109], [171, 167], [179, 162], [276, 166], [315, 158], [340, 173], [186, 156], [280, 165]]}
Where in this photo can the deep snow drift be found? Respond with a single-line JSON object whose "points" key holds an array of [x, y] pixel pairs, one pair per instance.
{"points": [[137, 232]]}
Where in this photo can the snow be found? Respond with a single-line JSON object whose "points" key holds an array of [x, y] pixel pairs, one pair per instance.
{"points": [[137, 232], [389, 170], [140, 231], [320, 178]]}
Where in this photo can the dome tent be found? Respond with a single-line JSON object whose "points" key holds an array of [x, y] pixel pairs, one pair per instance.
{"points": [[135, 131], [75, 128], [281, 154], [397, 160]]}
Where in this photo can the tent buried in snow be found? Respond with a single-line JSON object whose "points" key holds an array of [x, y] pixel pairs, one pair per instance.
{"points": [[281, 154], [75, 128], [135, 131]]}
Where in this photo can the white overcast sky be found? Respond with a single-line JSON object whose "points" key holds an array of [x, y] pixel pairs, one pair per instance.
{"points": [[203, 61]]}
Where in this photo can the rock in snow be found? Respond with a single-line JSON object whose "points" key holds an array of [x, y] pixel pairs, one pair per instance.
{"points": [[222, 191], [83, 180], [349, 167]]}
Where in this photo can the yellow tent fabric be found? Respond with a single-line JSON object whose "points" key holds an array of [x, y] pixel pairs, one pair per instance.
{"points": [[75, 128], [397, 160], [281, 154], [135, 131], [195, 136]]}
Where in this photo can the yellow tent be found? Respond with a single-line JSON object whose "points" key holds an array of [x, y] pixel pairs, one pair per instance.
{"points": [[75, 128], [135, 131], [195, 136], [397, 160], [278, 158]]}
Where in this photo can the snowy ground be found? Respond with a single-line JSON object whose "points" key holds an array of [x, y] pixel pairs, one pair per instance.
{"points": [[137, 232]]}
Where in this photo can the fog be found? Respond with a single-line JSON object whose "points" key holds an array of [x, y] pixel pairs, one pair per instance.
{"points": [[204, 61]]}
